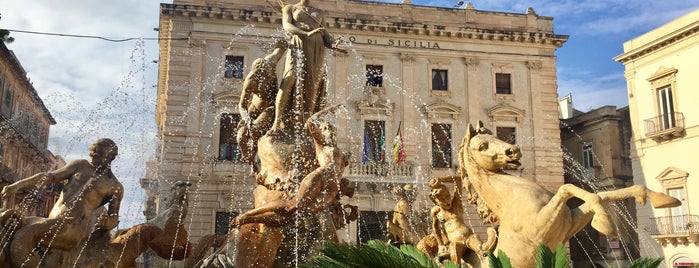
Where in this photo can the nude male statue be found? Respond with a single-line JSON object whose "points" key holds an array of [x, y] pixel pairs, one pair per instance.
{"points": [[318, 190], [400, 228], [448, 220], [90, 185], [257, 102]]}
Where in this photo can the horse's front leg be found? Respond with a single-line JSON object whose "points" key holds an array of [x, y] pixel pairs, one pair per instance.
{"points": [[593, 205], [640, 193]]}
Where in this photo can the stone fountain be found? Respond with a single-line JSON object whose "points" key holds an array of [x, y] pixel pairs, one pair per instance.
{"points": [[291, 147]]}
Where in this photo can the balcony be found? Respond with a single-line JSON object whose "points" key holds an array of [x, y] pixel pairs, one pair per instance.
{"points": [[675, 230], [373, 170], [665, 127]]}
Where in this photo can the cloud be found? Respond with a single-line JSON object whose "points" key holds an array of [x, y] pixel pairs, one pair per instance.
{"points": [[93, 88], [590, 91]]}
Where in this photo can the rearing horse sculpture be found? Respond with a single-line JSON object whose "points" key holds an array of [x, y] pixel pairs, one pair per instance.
{"points": [[527, 213]]}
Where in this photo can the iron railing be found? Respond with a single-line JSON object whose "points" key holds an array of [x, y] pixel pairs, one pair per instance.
{"points": [[675, 225], [661, 124]]}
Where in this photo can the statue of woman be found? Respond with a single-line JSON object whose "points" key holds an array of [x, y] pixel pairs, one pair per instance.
{"points": [[302, 84]]}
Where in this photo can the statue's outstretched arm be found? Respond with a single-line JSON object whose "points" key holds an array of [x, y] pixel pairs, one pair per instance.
{"points": [[41, 179]]}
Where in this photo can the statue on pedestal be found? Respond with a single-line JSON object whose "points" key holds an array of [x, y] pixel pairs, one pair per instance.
{"points": [[298, 178], [401, 226]]}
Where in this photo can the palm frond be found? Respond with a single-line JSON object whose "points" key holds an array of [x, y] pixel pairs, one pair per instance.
{"points": [[422, 258], [646, 263], [504, 260], [560, 257], [544, 256], [372, 254], [501, 261]]}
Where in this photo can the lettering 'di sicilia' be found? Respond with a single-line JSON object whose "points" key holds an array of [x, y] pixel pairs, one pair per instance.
{"points": [[395, 42]]}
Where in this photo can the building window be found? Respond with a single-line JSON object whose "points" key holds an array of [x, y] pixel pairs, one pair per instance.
{"points": [[2, 153], [7, 101], [234, 67], [374, 75], [503, 83], [680, 195], [228, 146], [680, 222], [441, 145], [223, 222], [667, 107], [507, 134], [439, 79], [587, 155], [374, 140], [372, 225]]}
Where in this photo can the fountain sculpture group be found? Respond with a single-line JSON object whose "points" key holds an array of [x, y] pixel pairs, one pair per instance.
{"points": [[298, 170]]}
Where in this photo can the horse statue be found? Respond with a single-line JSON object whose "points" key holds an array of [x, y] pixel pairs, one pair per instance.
{"points": [[527, 213]]}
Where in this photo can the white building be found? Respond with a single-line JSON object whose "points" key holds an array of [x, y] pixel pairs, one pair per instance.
{"points": [[661, 72]]}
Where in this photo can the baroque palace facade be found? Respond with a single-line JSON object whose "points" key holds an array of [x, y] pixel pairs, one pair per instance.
{"points": [[424, 71], [24, 132], [661, 80]]}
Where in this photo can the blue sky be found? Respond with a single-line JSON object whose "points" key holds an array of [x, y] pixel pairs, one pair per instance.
{"points": [[96, 88]]}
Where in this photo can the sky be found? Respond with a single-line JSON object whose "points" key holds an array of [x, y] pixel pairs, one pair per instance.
{"points": [[98, 88]]}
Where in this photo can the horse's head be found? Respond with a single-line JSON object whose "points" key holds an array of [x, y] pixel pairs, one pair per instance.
{"points": [[178, 194], [487, 151]]}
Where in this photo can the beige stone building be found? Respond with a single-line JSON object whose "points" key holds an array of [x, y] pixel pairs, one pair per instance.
{"points": [[24, 130], [429, 70], [597, 158], [661, 68]]}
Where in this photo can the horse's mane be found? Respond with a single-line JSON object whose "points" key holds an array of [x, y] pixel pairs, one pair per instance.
{"points": [[484, 212]]}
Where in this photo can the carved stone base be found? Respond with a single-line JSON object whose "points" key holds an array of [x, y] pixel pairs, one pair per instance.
{"points": [[257, 246], [285, 159]]}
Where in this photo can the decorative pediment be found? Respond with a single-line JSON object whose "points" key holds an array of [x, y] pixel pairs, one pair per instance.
{"points": [[672, 176], [375, 107], [442, 109], [505, 112], [225, 98], [663, 72]]}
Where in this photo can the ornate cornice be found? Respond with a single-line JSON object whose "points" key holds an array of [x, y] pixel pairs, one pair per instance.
{"points": [[263, 14], [660, 43]]}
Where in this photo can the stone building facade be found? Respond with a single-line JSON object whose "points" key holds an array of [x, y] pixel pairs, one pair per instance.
{"points": [[425, 71], [597, 158], [661, 79], [24, 128]]}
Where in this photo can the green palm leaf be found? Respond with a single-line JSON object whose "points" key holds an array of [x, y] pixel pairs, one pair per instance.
{"points": [[501, 261], [372, 254], [561, 257], [544, 256], [646, 263], [422, 258]]}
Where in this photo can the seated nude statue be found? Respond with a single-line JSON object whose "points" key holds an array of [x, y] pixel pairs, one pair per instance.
{"points": [[448, 220], [257, 102], [89, 185], [322, 184], [400, 227]]}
